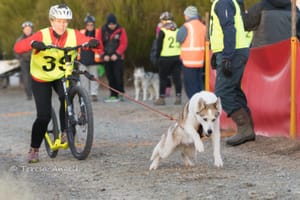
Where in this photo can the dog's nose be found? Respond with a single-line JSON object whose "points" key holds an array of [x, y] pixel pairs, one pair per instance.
{"points": [[209, 131]]}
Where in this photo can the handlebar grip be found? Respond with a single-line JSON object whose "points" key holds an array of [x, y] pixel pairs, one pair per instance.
{"points": [[88, 75], [67, 49]]}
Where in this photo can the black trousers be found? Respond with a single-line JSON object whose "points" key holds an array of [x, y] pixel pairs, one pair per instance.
{"points": [[229, 88], [25, 72], [114, 72], [42, 93], [169, 67]]}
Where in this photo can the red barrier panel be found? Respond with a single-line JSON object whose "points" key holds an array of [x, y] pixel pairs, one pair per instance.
{"points": [[297, 90], [266, 82]]}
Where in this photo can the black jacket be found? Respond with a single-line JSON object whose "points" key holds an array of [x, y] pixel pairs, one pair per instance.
{"points": [[87, 57]]}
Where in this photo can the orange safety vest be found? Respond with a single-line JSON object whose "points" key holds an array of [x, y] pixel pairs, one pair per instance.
{"points": [[192, 48], [97, 56]]}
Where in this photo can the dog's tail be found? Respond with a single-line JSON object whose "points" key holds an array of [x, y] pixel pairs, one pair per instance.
{"points": [[157, 147]]}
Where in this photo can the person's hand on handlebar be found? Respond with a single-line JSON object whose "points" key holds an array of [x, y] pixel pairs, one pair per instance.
{"points": [[40, 46]]}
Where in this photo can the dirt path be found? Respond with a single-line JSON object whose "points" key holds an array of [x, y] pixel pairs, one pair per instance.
{"points": [[117, 168]]}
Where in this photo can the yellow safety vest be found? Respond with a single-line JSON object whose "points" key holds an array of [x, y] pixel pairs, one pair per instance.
{"points": [[249, 37], [170, 46], [47, 65], [216, 32]]}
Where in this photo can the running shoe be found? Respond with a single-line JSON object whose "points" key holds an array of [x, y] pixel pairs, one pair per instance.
{"points": [[112, 99], [33, 155]]}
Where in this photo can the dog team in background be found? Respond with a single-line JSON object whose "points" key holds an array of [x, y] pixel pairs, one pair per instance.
{"points": [[180, 53], [148, 82]]}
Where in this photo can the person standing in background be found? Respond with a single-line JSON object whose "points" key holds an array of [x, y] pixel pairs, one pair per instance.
{"points": [[163, 18], [169, 63], [90, 58], [191, 36], [230, 54], [24, 58], [114, 40]]}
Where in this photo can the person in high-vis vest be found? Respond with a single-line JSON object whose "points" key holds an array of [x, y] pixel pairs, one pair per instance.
{"points": [[191, 36], [90, 59], [230, 54], [169, 64], [45, 71], [163, 18]]}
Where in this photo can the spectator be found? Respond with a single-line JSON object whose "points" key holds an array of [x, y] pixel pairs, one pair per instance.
{"points": [[230, 54], [24, 58], [90, 58], [114, 39], [252, 17], [168, 51], [163, 18], [191, 36], [268, 15], [46, 75]]}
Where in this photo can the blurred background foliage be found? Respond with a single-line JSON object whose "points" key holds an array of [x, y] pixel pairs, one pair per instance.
{"points": [[139, 17]]}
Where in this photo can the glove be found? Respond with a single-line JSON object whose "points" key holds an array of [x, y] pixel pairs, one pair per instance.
{"points": [[213, 61], [93, 43], [226, 68], [40, 46]]}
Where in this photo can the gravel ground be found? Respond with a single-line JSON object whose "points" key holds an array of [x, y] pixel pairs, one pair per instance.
{"points": [[117, 168]]}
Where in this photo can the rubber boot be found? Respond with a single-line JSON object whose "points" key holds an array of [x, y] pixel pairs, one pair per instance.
{"points": [[245, 131]]}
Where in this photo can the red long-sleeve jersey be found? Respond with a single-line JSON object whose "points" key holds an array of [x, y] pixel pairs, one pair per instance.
{"points": [[25, 45]]}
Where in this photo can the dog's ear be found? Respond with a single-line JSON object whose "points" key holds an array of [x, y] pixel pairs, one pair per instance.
{"points": [[201, 104], [219, 105], [185, 111]]}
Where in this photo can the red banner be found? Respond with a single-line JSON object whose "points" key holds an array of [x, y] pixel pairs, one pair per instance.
{"points": [[267, 84]]}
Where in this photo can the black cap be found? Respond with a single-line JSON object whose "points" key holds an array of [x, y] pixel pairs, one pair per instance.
{"points": [[111, 19], [89, 18]]}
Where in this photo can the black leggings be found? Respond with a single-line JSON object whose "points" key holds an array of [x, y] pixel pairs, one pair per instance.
{"points": [[114, 72], [42, 92], [169, 67]]}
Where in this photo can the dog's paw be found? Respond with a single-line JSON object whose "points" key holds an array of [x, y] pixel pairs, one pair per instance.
{"points": [[189, 164], [218, 162], [153, 167], [199, 147]]}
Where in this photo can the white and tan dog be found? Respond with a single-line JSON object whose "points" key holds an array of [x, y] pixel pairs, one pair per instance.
{"points": [[200, 114], [148, 82]]}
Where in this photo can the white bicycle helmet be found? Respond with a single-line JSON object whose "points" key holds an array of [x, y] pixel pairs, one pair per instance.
{"points": [[61, 11]]}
